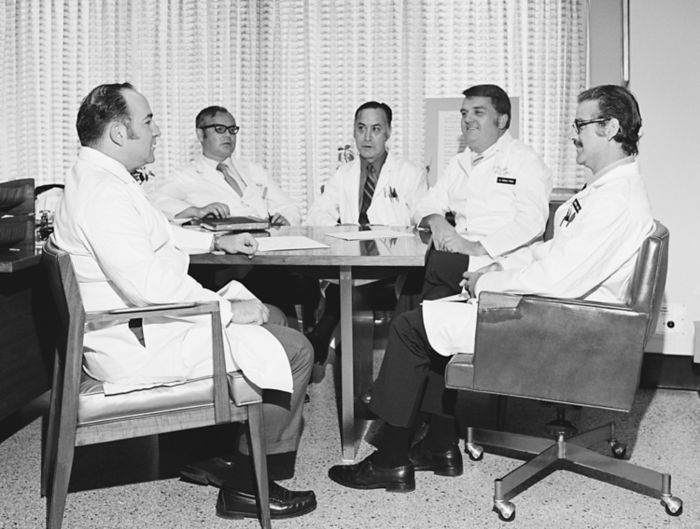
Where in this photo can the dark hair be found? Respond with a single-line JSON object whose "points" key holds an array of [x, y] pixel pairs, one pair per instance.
{"points": [[498, 96], [209, 112], [380, 106], [617, 102], [103, 105]]}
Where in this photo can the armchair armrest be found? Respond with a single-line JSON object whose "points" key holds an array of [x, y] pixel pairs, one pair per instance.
{"points": [[548, 343], [222, 409]]}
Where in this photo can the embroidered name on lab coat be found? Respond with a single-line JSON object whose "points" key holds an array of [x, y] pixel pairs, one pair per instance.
{"points": [[504, 180]]}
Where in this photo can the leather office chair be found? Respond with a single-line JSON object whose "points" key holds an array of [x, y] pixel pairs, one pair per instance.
{"points": [[81, 414], [566, 352]]}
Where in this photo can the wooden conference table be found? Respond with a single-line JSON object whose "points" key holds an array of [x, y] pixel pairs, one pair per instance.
{"points": [[345, 261]]}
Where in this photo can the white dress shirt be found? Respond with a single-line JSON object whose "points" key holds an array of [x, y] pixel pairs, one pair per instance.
{"points": [[597, 235], [125, 253], [399, 186], [500, 198], [199, 183]]}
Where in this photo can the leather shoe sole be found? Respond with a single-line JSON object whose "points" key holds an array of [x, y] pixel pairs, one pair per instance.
{"points": [[212, 471], [367, 475], [284, 503], [445, 463]]}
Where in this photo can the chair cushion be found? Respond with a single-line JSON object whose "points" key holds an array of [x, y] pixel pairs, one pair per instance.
{"points": [[95, 406], [460, 371]]}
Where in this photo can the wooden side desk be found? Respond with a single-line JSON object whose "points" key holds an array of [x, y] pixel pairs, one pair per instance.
{"points": [[346, 261], [25, 345]]}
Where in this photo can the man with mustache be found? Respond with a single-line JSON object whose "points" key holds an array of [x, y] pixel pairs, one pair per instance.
{"points": [[125, 254], [597, 235]]}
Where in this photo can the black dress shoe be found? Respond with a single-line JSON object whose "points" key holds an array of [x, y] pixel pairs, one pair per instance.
{"points": [[367, 475], [443, 463], [212, 471], [284, 503]]}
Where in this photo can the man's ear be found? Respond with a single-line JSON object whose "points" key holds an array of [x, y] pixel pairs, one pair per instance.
{"points": [[612, 128], [502, 121], [200, 135], [388, 133], [117, 133]]}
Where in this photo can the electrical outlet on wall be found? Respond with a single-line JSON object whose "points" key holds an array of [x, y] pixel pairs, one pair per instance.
{"points": [[674, 334]]}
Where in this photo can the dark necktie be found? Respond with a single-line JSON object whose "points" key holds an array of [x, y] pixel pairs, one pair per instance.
{"points": [[367, 194], [223, 168]]}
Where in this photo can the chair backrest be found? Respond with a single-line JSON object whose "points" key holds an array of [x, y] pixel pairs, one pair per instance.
{"points": [[17, 197], [649, 279], [71, 320]]}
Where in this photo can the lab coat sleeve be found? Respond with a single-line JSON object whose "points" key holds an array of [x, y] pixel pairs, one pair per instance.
{"points": [[112, 227], [436, 200], [533, 187], [169, 194], [579, 258], [325, 211], [279, 202]]}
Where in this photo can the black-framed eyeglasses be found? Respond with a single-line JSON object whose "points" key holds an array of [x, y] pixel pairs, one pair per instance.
{"points": [[578, 124], [220, 129]]}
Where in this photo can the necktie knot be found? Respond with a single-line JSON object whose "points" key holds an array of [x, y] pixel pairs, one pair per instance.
{"points": [[228, 177]]}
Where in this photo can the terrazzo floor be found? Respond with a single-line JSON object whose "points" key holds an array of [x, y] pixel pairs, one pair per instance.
{"points": [[123, 485]]}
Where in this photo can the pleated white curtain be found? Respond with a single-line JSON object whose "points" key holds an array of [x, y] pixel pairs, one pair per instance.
{"points": [[291, 71]]}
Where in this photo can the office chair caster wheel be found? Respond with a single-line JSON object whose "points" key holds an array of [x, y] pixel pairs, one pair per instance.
{"points": [[474, 451], [618, 449], [505, 510], [673, 505]]}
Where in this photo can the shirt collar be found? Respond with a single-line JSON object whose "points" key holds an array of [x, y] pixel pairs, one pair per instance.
{"points": [[612, 170], [500, 145], [208, 162], [377, 164], [90, 155]]}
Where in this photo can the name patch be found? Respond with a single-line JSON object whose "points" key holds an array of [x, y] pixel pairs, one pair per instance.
{"points": [[505, 180]]}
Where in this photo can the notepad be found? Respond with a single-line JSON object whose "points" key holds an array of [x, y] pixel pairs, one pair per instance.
{"points": [[288, 242], [235, 224]]}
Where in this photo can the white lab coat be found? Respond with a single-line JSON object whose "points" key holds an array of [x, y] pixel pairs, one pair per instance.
{"points": [[591, 256], [199, 183], [501, 201], [125, 253], [399, 185]]}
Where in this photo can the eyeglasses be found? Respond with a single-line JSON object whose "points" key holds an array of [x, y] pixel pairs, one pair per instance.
{"points": [[578, 124], [220, 129]]}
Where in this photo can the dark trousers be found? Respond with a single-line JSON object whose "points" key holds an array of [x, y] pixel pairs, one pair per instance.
{"points": [[412, 376], [443, 273]]}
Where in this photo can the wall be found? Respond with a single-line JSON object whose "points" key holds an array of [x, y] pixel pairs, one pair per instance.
{"points": [[665, 76]]}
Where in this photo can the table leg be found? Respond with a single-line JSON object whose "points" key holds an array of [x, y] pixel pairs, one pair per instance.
{"points": [[356, 363], [347, 372]]}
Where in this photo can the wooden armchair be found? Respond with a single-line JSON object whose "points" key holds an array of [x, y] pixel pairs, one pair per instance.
{"points": [[566, 352], [81, 414]]}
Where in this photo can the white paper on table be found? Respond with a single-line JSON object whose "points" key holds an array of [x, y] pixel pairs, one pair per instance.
{"points": [[367, 235], [288, 242]]}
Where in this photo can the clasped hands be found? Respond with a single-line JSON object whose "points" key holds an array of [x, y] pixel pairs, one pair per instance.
{"points": [[470, 279], [446, 239]]}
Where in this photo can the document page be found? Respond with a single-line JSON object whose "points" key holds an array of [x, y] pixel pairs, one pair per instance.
{"points": [[288, 242], [366, 235]]}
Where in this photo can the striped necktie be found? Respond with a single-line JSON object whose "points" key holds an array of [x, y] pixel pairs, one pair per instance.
{"points": [[223, 168], [367, 194]]}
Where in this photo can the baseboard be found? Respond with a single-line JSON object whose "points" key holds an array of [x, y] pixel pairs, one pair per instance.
{"points": [[670, 372]]}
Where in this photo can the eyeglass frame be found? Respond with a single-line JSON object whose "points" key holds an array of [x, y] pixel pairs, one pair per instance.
{"points": [[578, 124], [232, 130]]}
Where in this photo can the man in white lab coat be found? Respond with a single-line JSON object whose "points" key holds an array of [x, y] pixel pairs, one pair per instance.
{"points": [[125, 253], [497, 189], [217, 184], [378, 187], [598, 233]]}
